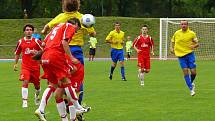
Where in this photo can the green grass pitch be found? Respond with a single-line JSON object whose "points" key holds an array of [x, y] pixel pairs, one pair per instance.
{"points": [[165, 96]]}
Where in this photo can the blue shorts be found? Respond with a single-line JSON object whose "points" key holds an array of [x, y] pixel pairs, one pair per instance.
{"points": [[117, 55], [77, 53], [187, 61]]}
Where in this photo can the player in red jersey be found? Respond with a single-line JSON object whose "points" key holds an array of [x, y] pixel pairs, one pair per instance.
{"points": [[142, 44], [77, 78], [57, 69], [30, 69]]}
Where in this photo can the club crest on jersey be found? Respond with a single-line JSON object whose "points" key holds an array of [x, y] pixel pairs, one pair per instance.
{"points": [[27, 51]]}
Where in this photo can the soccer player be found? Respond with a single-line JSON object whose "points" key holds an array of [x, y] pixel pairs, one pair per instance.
{"points": [[183, 43], [30, 69], [70, 10], [128, 46], [92, 52], [55, 65], [116, 39], [142, 44], [77, 78]]}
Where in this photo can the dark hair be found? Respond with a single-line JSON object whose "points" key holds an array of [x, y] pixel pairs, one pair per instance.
{"points": [[145, 26], [28, 25], [75, 21], [117, 22], [71, 5]]}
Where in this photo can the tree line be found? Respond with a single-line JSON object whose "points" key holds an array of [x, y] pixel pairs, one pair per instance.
{"points": [[14, 9]]}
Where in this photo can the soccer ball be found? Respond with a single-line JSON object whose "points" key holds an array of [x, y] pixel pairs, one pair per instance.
{"points": [[88, 20]]}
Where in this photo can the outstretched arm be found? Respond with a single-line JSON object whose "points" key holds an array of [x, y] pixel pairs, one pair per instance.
{"points": [[45, 29], [67, 50]]}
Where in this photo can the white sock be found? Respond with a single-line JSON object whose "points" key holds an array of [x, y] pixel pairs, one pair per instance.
{"points": [[141, 77], [70, 92], [72, 112], [24, 93], [61, 107], [47, 94]]}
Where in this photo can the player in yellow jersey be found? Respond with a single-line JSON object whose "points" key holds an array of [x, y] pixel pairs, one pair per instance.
{"points": [[71, 10], [116, 39], [183, 42]]}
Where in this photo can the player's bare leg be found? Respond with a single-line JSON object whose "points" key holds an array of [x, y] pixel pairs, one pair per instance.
{"points": [[25, 94]]}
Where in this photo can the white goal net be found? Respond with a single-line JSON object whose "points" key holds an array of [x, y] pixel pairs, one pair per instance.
{"points": [[205, 31]]}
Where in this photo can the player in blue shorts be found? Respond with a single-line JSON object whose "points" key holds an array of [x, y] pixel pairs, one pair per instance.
{"points": [[183, 43], [116, 39]]}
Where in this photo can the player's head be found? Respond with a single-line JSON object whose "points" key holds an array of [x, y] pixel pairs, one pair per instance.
{"points": [[144, 29], [76, 22], [71, 5], [184, 25], [28, 30], [128, 38], [117, 26]]}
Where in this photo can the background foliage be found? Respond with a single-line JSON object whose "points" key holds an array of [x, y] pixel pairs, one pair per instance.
{"points": [[124, 8]]}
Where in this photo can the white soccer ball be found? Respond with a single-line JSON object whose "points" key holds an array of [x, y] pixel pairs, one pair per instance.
{"points": [[88, 20]]}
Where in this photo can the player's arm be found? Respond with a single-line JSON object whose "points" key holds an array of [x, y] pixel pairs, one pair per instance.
{"points": [[67, 51], [46, 28], [109, 38], [172, 44], [92, 34], [16, 62], [60, 18], [90, 43], [91, 31], [17, 54], [152, 46], [135, 45], [195, 43]]}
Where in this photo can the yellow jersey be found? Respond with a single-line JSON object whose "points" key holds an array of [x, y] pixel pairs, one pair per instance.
{"points": [[183, 40], [93, 42], [78, 38], [117, 39], [128, 46]]}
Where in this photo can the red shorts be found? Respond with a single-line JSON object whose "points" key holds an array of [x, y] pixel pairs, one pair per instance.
{"points": [[143, 61], [55, 66], [31, 76]]}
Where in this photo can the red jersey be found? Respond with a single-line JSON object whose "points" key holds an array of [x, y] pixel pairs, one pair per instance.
{"points": [[61, 32], [144, 44], [25, 46]]}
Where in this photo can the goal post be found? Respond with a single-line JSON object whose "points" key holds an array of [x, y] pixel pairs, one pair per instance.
{"points": [[204, 29]]}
